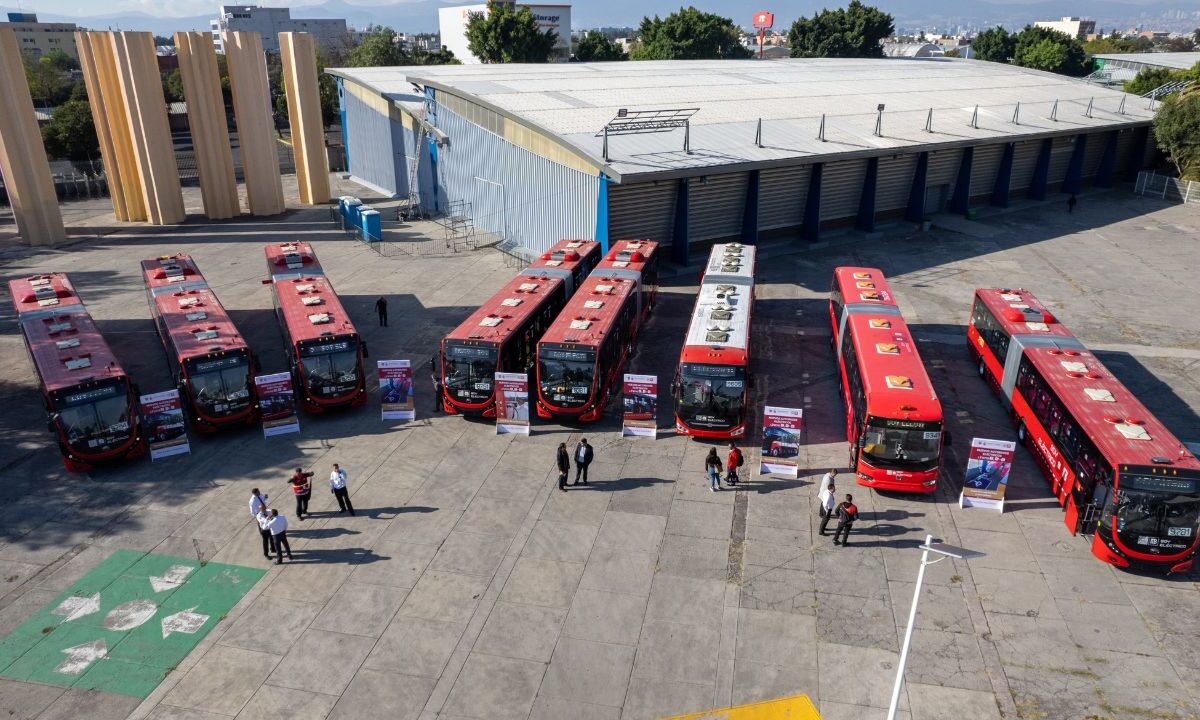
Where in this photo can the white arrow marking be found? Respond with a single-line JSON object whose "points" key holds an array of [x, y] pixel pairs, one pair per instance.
{"points": [[184, 621], [171, 579], [129, 615], [80, 657], [76, 607]]}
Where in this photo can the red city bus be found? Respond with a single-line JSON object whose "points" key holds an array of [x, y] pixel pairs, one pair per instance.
{"points": [[571, 260], [324, 351], [582, 353], [1116, 470], [211, 363], [858, 290], [501, 336], [635, 260], [893, 416], [710, 385], [91, 405]]}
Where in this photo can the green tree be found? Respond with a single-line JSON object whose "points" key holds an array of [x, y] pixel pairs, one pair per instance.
{"points": [[508, 34], [994, 45], [594, 47], [70, 133], [46, 83], [853, 32], [1177, 131], [1147, 80], [1050, 50], [172, 84], [689, 34], [1108, 46], [442, 56], [60, 61], [1176, 44], [378, 49]]}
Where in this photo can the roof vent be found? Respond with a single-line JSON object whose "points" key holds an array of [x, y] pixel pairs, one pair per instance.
{"points": [[172, 269], [553, 263], [862, 276], [1132, 431], [1160, 460], [580, 324], [39, 281], [730, 265], [1073, 367], [887, 348], [527, 287], [198, 315], [604, 289], [319, 318], [49, 301], [620, 264], [1100, 394], [56, 328], [721, 312], [293, 260], [78, 363], [314, 300], [308, 287], [205, 334], [725, 291], [491, 321], [716, 335], [64, 344], [899, 382], [188, 302], [175, 278], [879, 323], [511, 302], [574, 244], [1037, 327], [1009, 297], [593, 304]]}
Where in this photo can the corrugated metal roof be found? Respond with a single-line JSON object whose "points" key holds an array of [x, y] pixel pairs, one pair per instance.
{"points": [[573, 102], [1176, 60]]}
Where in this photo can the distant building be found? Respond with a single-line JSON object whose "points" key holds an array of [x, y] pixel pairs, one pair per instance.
{"points": [[270, 21], [1073, 26], [38, 38], [452, 22]]}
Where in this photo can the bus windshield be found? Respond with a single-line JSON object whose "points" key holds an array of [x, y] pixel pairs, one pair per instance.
{"points": [[96, 419], [566, 376], [220, 386], [711, 396], [469, 371], [902, 444], [330, 368], [1157, 512]]}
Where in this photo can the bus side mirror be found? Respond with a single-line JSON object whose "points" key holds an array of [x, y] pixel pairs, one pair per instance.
{"points": [[51, 419], [266, 282], [257, 364], [945, 437], [366, 353]]}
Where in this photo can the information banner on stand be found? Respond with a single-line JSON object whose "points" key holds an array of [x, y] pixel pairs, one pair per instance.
{"points": [[512, 403], [988, 468], [162, 418], [396, 390], [640, 393], [278, 403], [781, 441]]}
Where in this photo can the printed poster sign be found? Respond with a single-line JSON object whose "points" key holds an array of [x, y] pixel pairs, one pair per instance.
{"points": [[512, 403], [988, 468], [396, 390], [781, 441], [162, 416], [278, 404], [640, 398]]}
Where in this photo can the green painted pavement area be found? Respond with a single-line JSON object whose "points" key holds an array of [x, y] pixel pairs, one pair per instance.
{"points": [[122, 627]]}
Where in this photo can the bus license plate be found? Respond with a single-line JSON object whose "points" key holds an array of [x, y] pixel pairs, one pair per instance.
{"points": [[1179, 532], [483, 386]]}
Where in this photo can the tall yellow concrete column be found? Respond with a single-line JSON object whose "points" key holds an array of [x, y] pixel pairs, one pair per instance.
{"points": [[99, 66], [146, 109], [22, 155], [206, 116], [304, 115], [247, 68]]}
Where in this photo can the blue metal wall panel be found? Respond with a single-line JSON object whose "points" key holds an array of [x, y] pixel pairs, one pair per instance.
{"points": [[377, 148]]}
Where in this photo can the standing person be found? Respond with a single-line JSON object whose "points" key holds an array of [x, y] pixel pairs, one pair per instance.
{"points": [[302, 489], [278, 527], [583, 458], [437, 384], [564, 466], [827, 480], [712, 467], [337, 484], [827, 499], [847, 513], [258, 503], [732, 463], [264, 529], [1071, 203], [381, 309]]}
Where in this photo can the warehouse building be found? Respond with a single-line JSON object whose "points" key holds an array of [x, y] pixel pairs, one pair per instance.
{"points": [[1120, 67], [688, 152]]}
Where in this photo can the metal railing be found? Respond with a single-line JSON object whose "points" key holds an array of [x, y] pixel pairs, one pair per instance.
{"points": [[1167, 188]]}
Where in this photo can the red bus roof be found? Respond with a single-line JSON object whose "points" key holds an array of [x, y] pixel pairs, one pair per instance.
{"points": [[893, 375], [1020, 313], [1121, 428], [64, 343], [568, 254], [863, 285], [591, 312], [306, 297], [507, 309], [194, 317], [629, 254]]}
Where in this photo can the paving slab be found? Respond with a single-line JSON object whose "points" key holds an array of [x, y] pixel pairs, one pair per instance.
{"points": [[495, 687], [589, 672], [523, 632], [415, 646], [322, 662], [375, 693]]}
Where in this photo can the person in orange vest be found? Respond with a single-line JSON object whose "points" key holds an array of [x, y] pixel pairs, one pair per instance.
{"points": [[302, 488], [734, 461]]}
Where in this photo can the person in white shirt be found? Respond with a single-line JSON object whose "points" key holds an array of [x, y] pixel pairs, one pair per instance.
{"points": [[264, 521], [337, 484], [828, 499], [827, 480], [258, 503], [278, 527]]}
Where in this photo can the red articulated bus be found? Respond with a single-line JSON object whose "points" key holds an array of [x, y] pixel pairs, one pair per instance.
{"points": [[501, 336], [211, 363], [582, 353], [324, 351], [91, 405], [858, 290], [635, 260], [570, 260], [711, 380], [1116, 470]]}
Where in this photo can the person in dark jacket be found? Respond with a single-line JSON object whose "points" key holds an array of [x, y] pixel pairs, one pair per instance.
{"points": [[583, 458], [381, 308], [712, 468], [564, 466], [846, 513]]}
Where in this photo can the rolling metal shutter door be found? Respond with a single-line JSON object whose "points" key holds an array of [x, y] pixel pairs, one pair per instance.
{"points": [[715, 207], [1060, 158], [781, 195], [895, 182], [1096, 143], [642, 211], [943, 168], [841, 186], [984, 168], [1124, 150], [1024, 163]]}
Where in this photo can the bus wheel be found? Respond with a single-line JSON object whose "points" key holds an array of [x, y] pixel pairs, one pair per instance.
{"points": [[982, 368], [1022, 433]]}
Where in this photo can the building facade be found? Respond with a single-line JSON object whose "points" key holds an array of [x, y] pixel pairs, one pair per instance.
{"points": [[270, 21], [38, 38], [1073, 26], [452, 25]]}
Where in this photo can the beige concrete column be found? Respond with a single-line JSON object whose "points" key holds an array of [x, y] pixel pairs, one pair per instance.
{"points": [[22, 155], [304, 115], [247, 68], [206, 117], [98, 63], [146, 108]]}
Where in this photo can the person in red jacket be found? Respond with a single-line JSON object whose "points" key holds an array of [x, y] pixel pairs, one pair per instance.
{"points": [[302, 489], [734, 461]]}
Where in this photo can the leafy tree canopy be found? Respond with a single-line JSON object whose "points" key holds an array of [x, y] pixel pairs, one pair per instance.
{"points": [[689, 34], [853, 32], [1152, 78], [594, 47], [994, 45], [380, 48], [70, 133], [1177, 131], [508, 34], [1033, 50]]}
